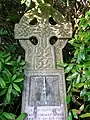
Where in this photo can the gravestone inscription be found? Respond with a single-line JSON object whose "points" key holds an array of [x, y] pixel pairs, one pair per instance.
{"points": [[44, 86]]}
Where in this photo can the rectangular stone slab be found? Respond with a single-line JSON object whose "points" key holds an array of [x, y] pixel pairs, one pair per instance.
{"points": [[44, 95]]}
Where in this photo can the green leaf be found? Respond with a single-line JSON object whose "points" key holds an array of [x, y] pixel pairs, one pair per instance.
{"points": [[9, 116], [8, 97], [86, 64], [16, 87], [15, 93], [3, 31], [69, 88], [60, 64], [75, 90], [22, 63], [10, 88], [7, 59], [86, 72], [83, 92], [78, 79], [68, 99], [19, 80], [2, 60], [70, 77], [75, 111], [5, 54], [10, 63], [88, 93], [22, 116], [14, 77], [79, 85], [81, 108], [70, 116], [19, 59], [68, 68], [0, 65], [2, 83], [7, 73], [2, 117], [85, 115], [3, 92]]}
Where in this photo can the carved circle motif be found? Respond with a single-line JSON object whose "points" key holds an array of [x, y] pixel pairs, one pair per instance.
{"points": [[53, 40], [33, 40]]}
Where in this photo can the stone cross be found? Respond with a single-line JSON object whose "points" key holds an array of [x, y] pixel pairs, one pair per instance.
{"points": [[43, 39]]}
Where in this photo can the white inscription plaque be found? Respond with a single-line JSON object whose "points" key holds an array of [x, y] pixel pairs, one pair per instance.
{"points": [[45, 113]]}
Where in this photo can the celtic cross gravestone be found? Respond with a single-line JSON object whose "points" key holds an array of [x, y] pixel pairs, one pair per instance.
{"points": [[43, 36]]}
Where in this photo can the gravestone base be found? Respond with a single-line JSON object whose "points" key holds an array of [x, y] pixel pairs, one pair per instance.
{"points": [[44, 95]]}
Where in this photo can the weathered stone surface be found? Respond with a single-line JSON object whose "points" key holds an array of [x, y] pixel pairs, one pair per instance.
{"points": [[44, 87]]}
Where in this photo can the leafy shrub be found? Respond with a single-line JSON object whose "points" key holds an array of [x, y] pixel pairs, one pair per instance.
{"points": [[11, 81], [11, 76], [10, 116], [78, 72]]}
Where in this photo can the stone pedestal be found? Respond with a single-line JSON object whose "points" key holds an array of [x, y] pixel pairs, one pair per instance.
{"points": [[44, 86]]}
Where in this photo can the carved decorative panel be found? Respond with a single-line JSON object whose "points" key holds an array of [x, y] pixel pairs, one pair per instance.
{"points": [[44, 86]]}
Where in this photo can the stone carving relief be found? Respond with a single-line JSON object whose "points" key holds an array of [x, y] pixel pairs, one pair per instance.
{"points": [[44, 86], [40, 55], [42, 92]]}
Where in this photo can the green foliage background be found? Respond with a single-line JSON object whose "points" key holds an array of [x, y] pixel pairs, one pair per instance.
{"points": [[76, 56], [78, 71]]}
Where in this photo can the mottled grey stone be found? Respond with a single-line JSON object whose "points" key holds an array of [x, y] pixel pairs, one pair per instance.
{"points": [[44, 86]]}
